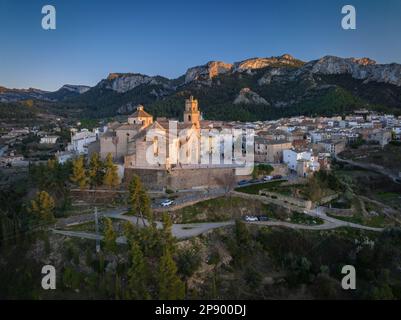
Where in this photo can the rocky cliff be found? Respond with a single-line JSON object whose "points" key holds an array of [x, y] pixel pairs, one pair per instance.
{"points": [[259, 88], [208, 71], [362, 69], [123, 82]]}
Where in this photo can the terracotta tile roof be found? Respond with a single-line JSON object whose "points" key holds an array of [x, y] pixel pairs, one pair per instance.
{"points": [[140, 113]]}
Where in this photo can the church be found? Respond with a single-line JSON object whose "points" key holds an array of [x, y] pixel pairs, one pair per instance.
{"points": [[167, 153]]}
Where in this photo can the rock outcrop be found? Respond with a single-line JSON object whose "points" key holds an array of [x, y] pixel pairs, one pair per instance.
{"points": [[123, 82], [208, 71], [259, 63], [247, 96], [362, 69]]}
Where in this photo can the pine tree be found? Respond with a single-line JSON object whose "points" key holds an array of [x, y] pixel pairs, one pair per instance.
{"points": [[170, 285], [110, 236], [43, 206], [111, 174], [79, 173], [139, 200], [134, 195], [167, 237], [138, 274], [95, 171], [145, 206], [128, 231]]}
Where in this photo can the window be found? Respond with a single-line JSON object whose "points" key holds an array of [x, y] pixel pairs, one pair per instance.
{"points": [[155, 146]]}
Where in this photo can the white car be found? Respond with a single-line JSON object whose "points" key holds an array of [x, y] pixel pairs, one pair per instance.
{"points": [[167, 203], [267, 178], [251, 219]]}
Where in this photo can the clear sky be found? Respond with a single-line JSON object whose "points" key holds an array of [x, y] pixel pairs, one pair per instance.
{"points": [[94, 38]]}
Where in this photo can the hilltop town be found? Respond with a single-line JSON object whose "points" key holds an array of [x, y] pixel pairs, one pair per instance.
{"points": [[217, 188], [297, 145]]}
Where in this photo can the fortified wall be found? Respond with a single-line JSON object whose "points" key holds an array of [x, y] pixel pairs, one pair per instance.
{"points": [[182, 179]]}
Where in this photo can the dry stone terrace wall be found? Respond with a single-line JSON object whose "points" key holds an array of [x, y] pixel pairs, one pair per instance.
{"points": [[339, 212], [287, 202], [100, 196], [328, 198], [182, 179], [304, 204]]}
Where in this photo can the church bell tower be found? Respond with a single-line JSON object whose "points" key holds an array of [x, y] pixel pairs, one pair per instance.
{"points": [[191, 113]]}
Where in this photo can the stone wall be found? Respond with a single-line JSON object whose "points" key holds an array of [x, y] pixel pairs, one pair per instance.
{"points": [[306, 204], [339, 212], [286, 202], [280, 169], [329, 198], [100, 196], [182, 179]]}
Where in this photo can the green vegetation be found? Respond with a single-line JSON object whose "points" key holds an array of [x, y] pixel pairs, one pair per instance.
{"points": [[113, 273], [302, 218], [95, 171], [369, 184], [255, 188], [139, 199], [376, 221], [261, 169], [42, 207], [19, 112], [52, 177], [86, 227], [281, 263], [217, 210], [110, 178], [110, 236], [79, 175]]}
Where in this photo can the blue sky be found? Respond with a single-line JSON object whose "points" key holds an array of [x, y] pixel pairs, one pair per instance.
{"points": [[94, 38]]}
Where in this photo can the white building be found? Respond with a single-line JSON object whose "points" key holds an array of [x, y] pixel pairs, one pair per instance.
{"points": [[80, 141], [302, 162], [291, 157], [63, 156], [48, 139]]}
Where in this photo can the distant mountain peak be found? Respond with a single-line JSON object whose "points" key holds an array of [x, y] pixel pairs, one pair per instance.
{"points": [[212, 69]]}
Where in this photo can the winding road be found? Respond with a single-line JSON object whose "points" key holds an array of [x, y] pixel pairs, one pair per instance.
{"points": [[189, 230]]}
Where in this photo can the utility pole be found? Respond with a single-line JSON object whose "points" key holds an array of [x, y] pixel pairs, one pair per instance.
{"points": [[97, 231]]}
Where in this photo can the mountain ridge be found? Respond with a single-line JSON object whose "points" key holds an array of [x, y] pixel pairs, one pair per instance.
{"points": [[264, 86]]}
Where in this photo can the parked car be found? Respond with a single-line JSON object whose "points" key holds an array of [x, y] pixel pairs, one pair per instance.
{"points": [[268, 178], [263, 218], [243, 182], [167, 203], [250, 218], [277, 177], [254, 181]]}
